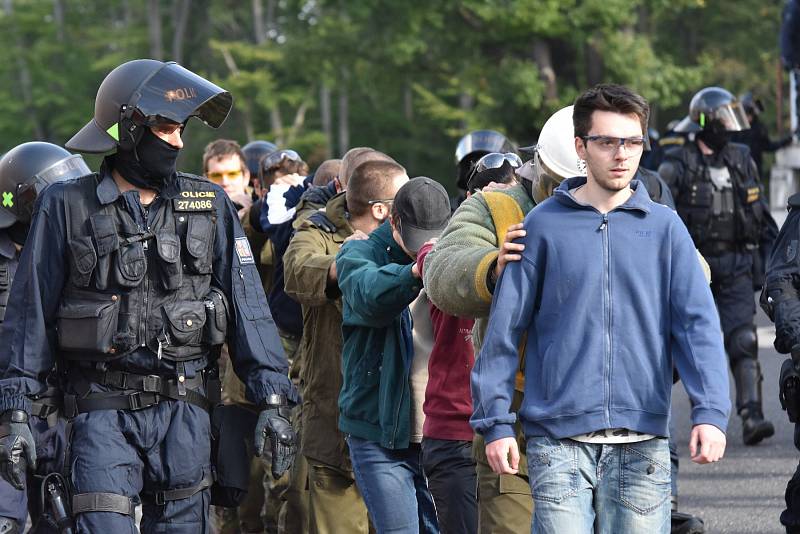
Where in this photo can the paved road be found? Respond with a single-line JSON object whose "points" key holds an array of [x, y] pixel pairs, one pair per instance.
{"points": [[744, 492]]}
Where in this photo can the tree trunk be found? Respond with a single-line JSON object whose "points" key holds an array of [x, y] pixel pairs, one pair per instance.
{"points": [[244, 109], [58, 19], [344, 112], [594, 65], [154, 29], [259, 32], [272, 23], [544, 60], [180, 21], [24, 79], [465, 103], [325, 117], [276, 122], [299, 120]]}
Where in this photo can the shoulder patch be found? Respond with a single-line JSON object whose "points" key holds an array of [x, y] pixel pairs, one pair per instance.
{"points": [[243, 251], [194, 201]]}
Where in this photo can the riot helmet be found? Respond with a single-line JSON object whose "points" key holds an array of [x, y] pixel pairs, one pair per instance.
{"points": [[254, 152], [142, 93], [473, 146], [752, 105], [495, 167], [25, 171], [554, 156], [714, 109]]}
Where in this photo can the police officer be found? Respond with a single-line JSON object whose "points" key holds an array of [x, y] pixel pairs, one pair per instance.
{"points": [[24, 172], [128, 279], [254, 152], [469, 150], [716, 189], [781, 300], [757, 136]]}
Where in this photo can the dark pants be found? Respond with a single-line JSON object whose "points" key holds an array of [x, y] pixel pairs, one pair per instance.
{"points": [[15, 504], [453, 482], [167, 446], [732, 286]]}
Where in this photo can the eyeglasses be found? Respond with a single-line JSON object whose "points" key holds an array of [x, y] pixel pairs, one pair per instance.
{"points": [[608, 143], [276, 158], [227, 175], [495, 160]]}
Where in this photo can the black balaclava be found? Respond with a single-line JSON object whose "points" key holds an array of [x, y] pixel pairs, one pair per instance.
{"points": [[149, 164], [715, 136]]}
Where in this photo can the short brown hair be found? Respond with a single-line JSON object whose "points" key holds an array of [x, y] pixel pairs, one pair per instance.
{"points": [[222, 148], [327, 171], [371, 181], [608, 97], [355, 157]]}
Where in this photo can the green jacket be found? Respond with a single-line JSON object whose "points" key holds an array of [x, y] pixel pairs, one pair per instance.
{"points": [[306, 262], [457, 269], [377, 287]]}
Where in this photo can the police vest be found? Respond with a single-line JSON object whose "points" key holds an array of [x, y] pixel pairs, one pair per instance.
{"points": [[5, 284], [131, 287], [718, 215]]}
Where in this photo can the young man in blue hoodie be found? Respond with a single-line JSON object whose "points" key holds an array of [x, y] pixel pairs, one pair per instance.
{"points": [[610, 294]]}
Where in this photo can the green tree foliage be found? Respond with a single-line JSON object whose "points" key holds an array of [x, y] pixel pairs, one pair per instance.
{"points": [[409, 78]]}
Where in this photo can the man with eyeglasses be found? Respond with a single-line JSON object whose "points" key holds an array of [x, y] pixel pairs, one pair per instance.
{"points": [[132, 278], [718, 195], [603, 328], [224, 164]]}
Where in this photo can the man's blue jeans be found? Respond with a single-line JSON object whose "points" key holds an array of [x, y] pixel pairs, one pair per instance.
{"points": [[580, 488], [394, 487]]}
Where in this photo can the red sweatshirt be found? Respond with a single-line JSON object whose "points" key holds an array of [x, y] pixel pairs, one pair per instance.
{"points": [[448, 401]]}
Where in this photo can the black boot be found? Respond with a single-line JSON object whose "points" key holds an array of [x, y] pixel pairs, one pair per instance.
{"points": [[755, 428], [686, 523]]}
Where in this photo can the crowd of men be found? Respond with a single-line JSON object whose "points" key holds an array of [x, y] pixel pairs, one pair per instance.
{"points": [[351, 350]]}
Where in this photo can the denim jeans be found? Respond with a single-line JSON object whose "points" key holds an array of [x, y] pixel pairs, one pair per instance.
{"points": [[581, 488], [394, 487]]}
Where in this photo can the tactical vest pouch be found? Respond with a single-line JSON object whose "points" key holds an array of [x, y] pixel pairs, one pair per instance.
{"points": [[169, 255], [232, 432], [130, 264], [701, 195], [88, 322], [199, 238], [216, 318], [183, 322], [84, 260], [106, 241]]}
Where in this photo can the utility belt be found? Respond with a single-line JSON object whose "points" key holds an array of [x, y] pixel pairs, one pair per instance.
{"points": [[149, 390], [715, 248], [46, 405]]}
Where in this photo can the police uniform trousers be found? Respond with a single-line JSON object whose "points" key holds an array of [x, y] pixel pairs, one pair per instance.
{"points": [[732, 287], [16, 504], [505, 505], [142, 452]]}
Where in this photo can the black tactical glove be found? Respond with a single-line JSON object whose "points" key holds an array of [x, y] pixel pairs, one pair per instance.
{"points": [[273, 422], [319, 195], [321, 221], [17, 448]]}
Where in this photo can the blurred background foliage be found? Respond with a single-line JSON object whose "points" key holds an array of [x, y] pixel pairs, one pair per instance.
{"points": [[407, 77]]}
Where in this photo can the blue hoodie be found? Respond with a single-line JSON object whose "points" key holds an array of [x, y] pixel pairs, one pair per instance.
{"points": [[607, 302]]}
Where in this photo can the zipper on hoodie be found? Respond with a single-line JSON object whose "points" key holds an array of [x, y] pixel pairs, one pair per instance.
{"points": [[607, 289]]}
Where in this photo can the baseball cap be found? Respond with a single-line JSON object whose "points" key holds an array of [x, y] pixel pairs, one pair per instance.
{"points": [[423, 209]]}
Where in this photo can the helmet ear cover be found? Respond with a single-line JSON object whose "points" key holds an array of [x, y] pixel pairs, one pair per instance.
{"points": [[131, 128]]}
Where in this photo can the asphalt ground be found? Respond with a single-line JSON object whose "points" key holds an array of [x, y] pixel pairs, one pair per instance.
{"points": [[744, 492]]}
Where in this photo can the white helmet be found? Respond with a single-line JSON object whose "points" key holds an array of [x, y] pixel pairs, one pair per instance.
{"points": [[554, 156]]}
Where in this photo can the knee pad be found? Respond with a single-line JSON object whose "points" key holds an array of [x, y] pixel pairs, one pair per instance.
{"points": [[742, 344]]}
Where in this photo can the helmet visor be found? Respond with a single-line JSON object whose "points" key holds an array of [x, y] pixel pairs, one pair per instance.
{"points": [[731, 116], [70, 167], [176, 94], [543, 180]]}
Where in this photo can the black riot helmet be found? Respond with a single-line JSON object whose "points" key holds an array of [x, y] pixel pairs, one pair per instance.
{"points": [[475, 145], [752, 105], [714, 109], [254, 152], [26, 170], [142, 93]]}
